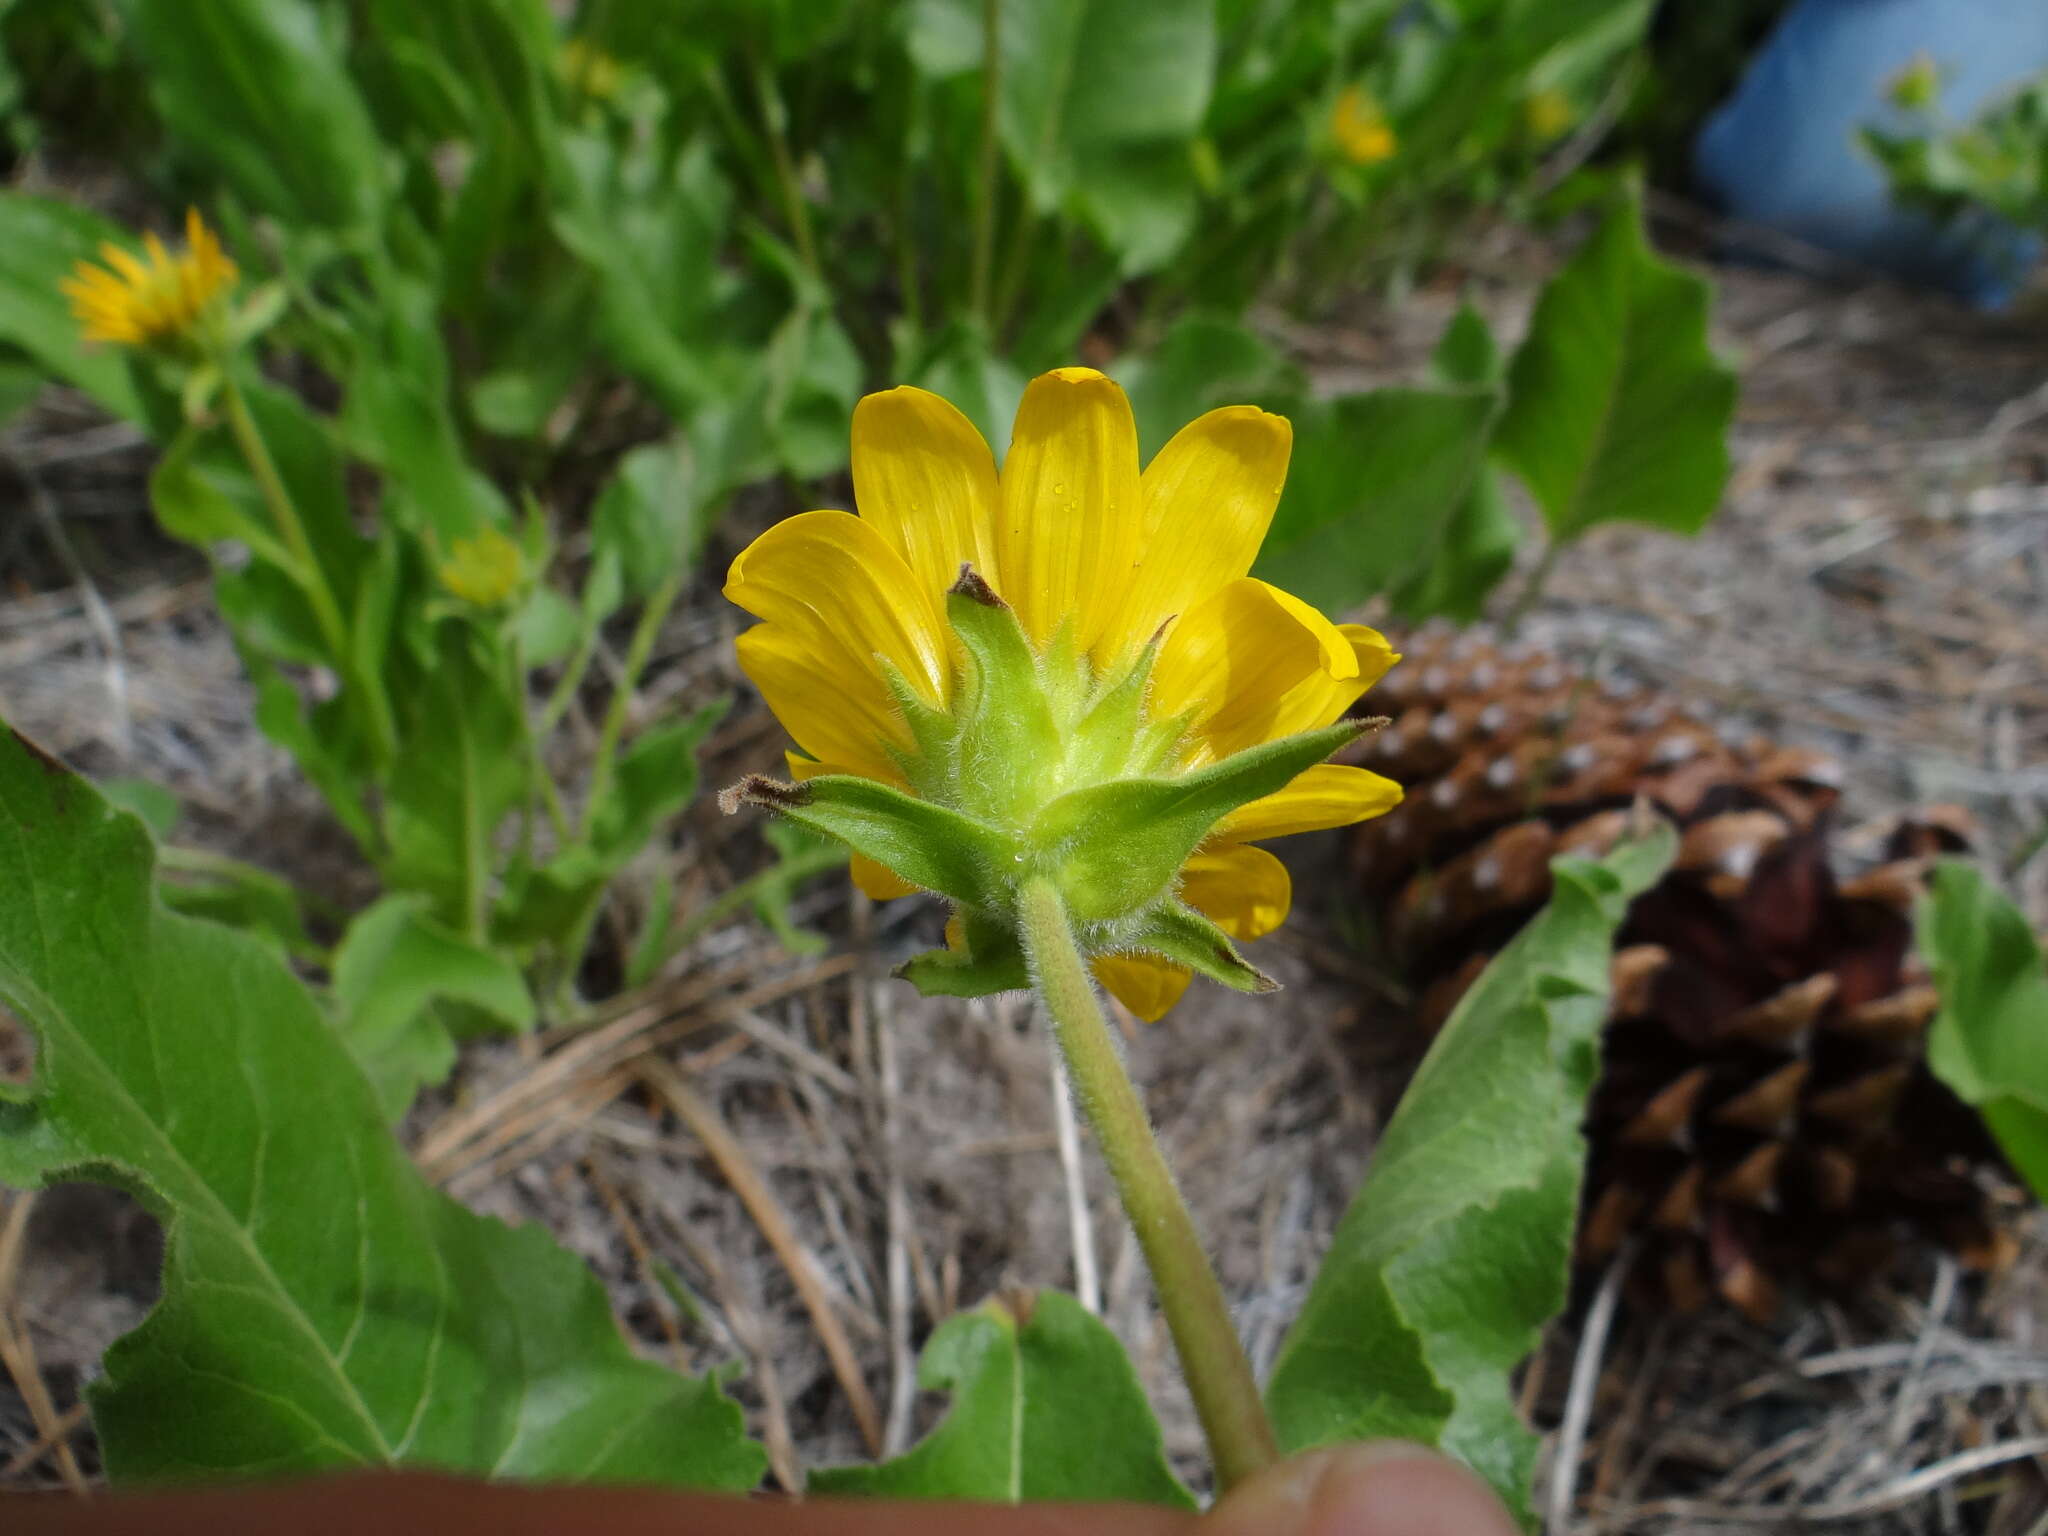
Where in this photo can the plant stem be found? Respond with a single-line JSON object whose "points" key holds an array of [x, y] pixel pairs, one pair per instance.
{"points": [[284, 513], [1212, 1359], [793, 207], [638, 649], [1532, 589], [985, 186]]}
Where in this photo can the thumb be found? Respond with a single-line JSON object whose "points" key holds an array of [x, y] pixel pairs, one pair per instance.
{"points": [[1387, 1488]]}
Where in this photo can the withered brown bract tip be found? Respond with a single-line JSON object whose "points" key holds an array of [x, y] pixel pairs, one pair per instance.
{"points": [[759, 789], [973, 587]]}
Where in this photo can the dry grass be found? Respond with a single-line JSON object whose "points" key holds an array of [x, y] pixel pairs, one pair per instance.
{"points": [[1878, 585]]}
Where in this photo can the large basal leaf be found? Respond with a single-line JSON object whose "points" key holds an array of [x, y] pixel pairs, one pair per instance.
{"points": [[1617, 408], [41, 240], [1045, 1406], [1990, 1040], [257, 87], [322, 1306], [1374, 485], [1456, 1249]]}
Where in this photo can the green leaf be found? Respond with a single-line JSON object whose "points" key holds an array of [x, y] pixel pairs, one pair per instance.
{"points": [[464, 768], [1045, 1407], [1456, 1250], [1478, 549], [224, 890], [392, 967], [322, 1306], [1375, 483], [1124, 841], [1617, 409], [1990, 1041], [656, 777], [160, 809], [258, 88], [192, 504], [1099, 101], [928, 845], [1466, 353], [649, 517], [41, 239]]}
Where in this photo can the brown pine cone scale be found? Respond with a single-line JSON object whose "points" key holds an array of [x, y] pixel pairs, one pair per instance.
{"points": [[1765, 1116]]}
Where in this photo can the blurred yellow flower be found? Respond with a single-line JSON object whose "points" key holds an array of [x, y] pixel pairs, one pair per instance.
{"points": [[590, 70], [485, 569], [1548, 113], [135, 303], [1360, 128], [1109, 571]]}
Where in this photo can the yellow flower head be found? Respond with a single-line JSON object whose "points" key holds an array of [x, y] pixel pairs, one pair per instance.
{"points": [[136, 303], [1361, 129], [1041, 668], [484, 570], [1548, 113]]}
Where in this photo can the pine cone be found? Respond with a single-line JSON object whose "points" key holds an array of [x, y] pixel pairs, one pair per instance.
{"points": [[1765, 1113]]}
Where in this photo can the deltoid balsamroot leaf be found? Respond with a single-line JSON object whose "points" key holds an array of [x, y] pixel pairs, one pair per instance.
{"points": [[1455, 1251], [1375, 483], [1990, 1041], [1617, 409], [322, 1306], [1045, 1407]]}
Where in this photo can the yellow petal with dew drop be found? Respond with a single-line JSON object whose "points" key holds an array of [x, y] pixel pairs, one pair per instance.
{"points": [[1067, 528], [1209, 495], [1245, 891], [1327, 795], [1145, 985], [923, 477]]}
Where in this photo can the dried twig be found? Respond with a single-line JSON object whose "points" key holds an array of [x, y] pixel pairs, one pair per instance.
{"points": [[747, 1182]]}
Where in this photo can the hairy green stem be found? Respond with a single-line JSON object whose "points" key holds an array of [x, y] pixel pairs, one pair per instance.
{"points": [[1212, 1359]]}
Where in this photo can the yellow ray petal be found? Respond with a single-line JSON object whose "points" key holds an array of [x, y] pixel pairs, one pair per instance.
{"points": [[1320, 699], [835, 705], [878, 881], [1250, 660], [1327, 795], [1143, 984], [1243, 890], [1209, 495], [925, 479], [838, 601], [1066, 534]]}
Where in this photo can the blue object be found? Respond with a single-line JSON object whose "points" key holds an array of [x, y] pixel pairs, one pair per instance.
{"points": [[1784, 150]]}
